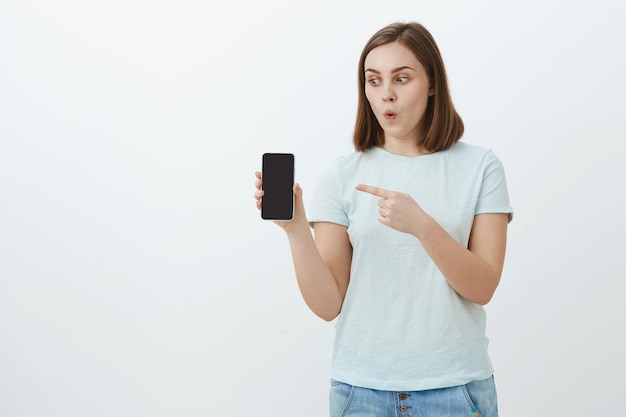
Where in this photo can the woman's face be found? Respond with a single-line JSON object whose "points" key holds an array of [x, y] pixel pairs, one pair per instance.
{"points": [[397, 89]]}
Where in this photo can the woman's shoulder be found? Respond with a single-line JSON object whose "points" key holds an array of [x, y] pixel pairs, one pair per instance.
{"points": [[473, 152], [345, 160], [465, 148]]}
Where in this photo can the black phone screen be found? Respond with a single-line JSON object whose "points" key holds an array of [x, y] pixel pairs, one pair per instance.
{"points": [[278, 177]]}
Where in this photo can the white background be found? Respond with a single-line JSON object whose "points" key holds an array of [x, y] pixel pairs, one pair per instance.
{"points": [[136, 277]]}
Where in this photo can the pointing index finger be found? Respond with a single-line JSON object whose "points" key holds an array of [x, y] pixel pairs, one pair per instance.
{"points": [[379, 192]]}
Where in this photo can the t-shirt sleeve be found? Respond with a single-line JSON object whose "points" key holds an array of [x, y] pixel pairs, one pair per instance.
{"points": [[494, 194], [327, 203]]}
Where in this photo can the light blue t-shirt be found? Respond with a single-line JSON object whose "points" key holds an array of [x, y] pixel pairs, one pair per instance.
{"points": [[402, 326]]}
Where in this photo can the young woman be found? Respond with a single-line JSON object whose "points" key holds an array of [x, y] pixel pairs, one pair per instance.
{"points": [[409, 243]]}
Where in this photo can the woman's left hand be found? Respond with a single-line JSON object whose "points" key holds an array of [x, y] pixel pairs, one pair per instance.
{"points": [[397, 210]]}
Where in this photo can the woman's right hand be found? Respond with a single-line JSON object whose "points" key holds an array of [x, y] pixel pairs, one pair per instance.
{"points": [[299, 215]]}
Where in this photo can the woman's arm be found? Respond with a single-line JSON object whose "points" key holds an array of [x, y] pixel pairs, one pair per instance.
{"points": [[474, 272], [322, 264]]}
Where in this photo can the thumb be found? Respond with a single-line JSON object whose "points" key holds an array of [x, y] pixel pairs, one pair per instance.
{"points": [[297, 192], [299, 204]]}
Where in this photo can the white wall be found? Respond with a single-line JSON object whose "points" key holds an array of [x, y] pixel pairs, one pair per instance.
{"points": [[136, 277]]}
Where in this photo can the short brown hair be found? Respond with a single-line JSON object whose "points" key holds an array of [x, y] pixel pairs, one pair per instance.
{"points": [[443, 126]]}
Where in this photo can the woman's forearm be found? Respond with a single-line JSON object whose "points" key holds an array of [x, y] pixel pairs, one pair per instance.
{"points": [[473, 274], [317, 284]]}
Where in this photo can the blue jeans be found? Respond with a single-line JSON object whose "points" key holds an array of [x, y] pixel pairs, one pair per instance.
{"points": [[476, 399]]}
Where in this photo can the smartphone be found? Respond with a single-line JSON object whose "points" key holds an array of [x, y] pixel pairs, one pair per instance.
{"points": [[278, 176]]}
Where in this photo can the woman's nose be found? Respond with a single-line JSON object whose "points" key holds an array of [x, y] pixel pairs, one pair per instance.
{"points": [[389, 95]]}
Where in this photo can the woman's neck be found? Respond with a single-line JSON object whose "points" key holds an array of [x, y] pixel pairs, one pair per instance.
{"points": [[404, 148]]}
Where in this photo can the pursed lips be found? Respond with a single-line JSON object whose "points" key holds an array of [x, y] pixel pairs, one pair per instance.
{"points": [[389, 115]]}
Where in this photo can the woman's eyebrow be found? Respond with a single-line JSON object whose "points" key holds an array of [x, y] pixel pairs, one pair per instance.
{"points": [[392, 71]]}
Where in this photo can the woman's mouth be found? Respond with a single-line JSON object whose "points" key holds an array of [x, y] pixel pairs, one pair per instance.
{"points": [[389, 115]]}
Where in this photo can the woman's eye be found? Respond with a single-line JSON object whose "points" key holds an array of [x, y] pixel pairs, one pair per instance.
{"points": [[374, 81], [402, 80]]}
